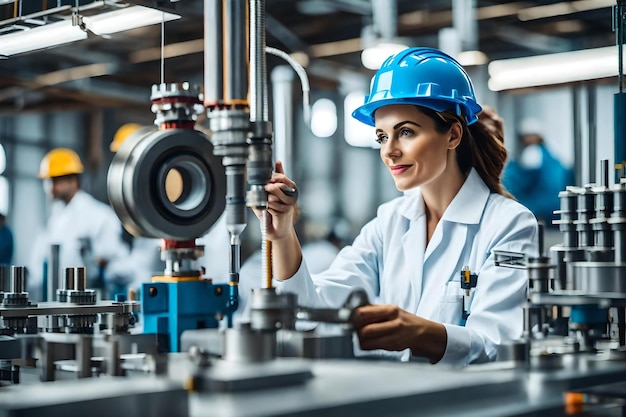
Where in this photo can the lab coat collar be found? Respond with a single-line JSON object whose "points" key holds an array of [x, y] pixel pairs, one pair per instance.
{"points": [[466, 207], [469, 203]]}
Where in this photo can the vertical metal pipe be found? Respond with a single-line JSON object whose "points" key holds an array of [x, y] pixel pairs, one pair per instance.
{"points": [[235, 53], [282, 94], [258, 68], [385, 18], [578, 146], [591, 132], [213, 53], [466, 24], [618, 28], [619, 99]]}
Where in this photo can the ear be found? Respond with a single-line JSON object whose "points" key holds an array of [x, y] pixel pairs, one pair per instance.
{"points": [[456, 133]]}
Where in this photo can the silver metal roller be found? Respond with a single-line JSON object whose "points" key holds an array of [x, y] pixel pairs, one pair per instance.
{"points": [[137, 184]]}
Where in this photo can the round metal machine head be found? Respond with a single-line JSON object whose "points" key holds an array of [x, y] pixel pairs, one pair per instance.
{"points": [[167, 184]]}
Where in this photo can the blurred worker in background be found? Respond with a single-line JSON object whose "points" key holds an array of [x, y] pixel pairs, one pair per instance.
{"points": [[6, 242], [536, 177], [448, 159], [88, 231]]}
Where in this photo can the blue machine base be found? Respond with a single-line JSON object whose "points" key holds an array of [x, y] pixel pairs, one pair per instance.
{"points": [[173, 307]]}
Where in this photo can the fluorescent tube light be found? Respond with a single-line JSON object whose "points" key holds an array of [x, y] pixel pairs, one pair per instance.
{"points": [[41, 37], [588, 64], [562, 8], [125, 19]]}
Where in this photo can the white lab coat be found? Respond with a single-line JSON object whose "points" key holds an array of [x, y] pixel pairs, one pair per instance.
{"points": [[391, 261], [83, 222]]}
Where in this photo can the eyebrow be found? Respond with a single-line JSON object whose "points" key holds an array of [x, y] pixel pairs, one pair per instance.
{"points": [[400, 124]]}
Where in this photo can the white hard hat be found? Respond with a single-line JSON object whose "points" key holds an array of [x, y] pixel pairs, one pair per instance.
{"points": [[530, 126]]}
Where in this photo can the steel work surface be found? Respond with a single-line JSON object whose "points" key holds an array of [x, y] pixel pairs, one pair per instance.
{"points": [[337, 388], [371, 388], [95, 397]]}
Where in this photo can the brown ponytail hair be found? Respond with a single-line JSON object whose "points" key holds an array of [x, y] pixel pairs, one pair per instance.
{"points": [[481, 147]]}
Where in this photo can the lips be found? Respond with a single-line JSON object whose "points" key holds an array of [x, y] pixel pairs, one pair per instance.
{"points": [[399, 169]]}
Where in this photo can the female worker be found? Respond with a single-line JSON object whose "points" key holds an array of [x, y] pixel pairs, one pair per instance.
{"points": [[454, 213]]}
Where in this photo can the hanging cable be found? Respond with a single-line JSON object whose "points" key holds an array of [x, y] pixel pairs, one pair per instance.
{"points": [[163, 48]]}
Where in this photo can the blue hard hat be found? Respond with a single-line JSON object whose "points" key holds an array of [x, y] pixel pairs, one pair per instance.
{"points": [[424, 77]]}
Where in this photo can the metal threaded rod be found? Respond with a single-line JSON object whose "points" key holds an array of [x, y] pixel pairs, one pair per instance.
{"points": [[266, 252]]}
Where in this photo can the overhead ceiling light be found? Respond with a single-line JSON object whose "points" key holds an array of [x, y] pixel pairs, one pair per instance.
{"points": [[41, 37], [374, 56], [588, 64], [562, 8], [125, 19], [472, 58], [356, 133]]}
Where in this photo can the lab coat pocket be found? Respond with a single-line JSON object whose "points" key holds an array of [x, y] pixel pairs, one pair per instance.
{"points": [[450, 305]]}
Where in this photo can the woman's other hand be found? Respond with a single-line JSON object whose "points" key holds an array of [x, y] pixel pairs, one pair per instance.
{"points": [[391, 328]]}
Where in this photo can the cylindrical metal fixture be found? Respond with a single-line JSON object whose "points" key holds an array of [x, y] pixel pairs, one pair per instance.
{"points": [[272, 311], [53, 271], [5, 278], [567, 214], [18, 279], [585, 211], [618, 223], [80, 278], [248, 346], [70, 274]]}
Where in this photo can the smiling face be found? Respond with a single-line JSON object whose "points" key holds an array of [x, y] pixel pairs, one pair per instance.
{"points": [[414, 150]]}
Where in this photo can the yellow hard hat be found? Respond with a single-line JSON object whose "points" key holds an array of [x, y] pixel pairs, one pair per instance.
{"points": [[122, 133], [59, 162]]}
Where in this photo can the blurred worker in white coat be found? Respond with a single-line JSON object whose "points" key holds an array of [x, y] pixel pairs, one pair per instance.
{"points": [[444, 154], [88, 231]]}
